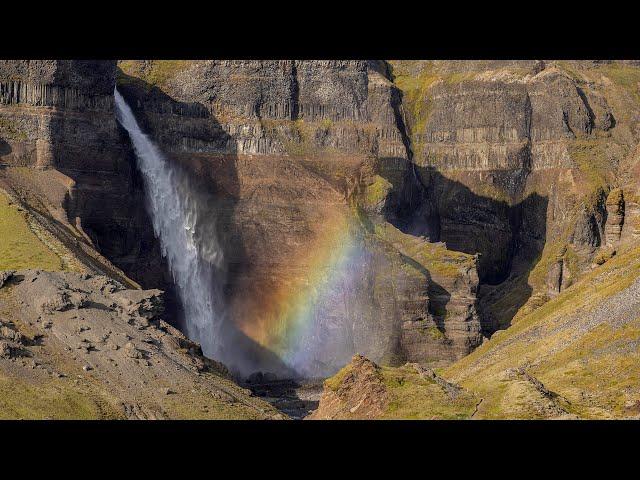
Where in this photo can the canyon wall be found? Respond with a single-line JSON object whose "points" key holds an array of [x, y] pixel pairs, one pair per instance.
{"points": [[514, 160], [393, 209], [64, 154], [302, 157]]}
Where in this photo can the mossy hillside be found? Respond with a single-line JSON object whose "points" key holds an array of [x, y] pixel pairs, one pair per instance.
{"points": [[20, 248], [534, 335], [413, 397], [57, 399], [155, 73], [432, 256]]}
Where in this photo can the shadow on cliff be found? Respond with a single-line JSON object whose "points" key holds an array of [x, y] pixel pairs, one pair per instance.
{"points": [[5, 148], [507, 236], [109, 202]]}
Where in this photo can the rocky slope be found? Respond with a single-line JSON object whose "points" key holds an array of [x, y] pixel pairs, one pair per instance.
{"points": [[82, 346]]}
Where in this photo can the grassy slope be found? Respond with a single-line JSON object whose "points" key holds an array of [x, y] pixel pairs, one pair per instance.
{"points": [[582, 345], [592, 362], [432, 256], [19, 246], [415, 397], [52, 399], [410, 396]]}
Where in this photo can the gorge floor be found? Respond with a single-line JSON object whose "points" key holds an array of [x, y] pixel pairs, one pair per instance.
{"points": [[296, 399]]}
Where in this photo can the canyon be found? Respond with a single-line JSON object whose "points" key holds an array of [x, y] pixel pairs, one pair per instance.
{"points": [[416, 213]]}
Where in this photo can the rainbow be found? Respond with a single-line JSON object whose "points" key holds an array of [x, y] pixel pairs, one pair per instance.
{"points": [[292, 319]]}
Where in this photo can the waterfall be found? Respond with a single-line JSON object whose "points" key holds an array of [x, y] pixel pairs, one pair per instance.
{"points": [[187, 237]]}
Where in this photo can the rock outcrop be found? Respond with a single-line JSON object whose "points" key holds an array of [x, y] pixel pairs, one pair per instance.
{"points": [[615, 217], [363, 390]]}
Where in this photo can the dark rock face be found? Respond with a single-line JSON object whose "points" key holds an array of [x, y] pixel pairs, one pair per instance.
{"points": [[58, 115]]}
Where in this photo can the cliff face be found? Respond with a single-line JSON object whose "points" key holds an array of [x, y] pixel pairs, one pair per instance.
{"points": [[514, 161], [303, 157], [68, 160], [390, 209]]}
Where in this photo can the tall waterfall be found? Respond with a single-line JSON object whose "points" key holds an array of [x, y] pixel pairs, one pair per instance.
{"points": [[187, 239]]}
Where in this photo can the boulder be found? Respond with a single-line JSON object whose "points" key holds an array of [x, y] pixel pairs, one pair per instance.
{"points": [[5, 275], [139, 303]]}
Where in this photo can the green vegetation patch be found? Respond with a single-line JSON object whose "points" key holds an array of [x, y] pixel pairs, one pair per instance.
{"points": [[333, 383], [590, 155], [414, 397], [156, 73], [376, 192], [432, 256], [20, 248], [55, 399], [11, 131], [625, 76]]}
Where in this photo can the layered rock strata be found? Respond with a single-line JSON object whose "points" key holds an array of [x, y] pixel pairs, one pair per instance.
{"points": [[296, 152]]}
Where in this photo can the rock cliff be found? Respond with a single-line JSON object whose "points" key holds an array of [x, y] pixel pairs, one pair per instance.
{"points": [[514, 161], [300, 154], [67, 160], [402, 210]]}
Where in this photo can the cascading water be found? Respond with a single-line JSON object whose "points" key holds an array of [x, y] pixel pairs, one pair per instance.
{"points": [[308, 330], [175, 209]]}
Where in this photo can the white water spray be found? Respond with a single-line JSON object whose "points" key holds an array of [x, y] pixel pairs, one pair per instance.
{"points": [[190, 247]]}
